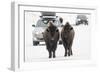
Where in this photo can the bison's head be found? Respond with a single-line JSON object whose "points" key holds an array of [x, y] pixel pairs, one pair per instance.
{"points": [[68, 27], [52, 30]]}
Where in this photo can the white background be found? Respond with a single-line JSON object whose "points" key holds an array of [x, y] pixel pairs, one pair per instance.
{"points": [[5, 31]]}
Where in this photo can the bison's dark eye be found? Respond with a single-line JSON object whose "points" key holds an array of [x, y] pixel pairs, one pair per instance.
{"points": [[47, 30], [71, 28], [53, 20], [57, 30]]}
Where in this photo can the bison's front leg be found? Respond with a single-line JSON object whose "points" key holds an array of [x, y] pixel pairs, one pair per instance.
{"points": [[70, 49], [71, 52], [54, 49], [54, 54], [65, 46], [50, 54], [65, 52]]}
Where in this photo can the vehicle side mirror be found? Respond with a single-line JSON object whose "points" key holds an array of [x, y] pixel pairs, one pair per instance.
{"points": [[62, 25], [33, 25]]}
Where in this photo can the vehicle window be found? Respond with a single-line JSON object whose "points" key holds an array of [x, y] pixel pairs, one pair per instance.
{"points": [[41, 23], [44, 22], [57, 23]]}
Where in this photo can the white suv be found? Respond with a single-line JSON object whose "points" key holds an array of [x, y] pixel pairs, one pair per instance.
{"points": [[42, 24]]}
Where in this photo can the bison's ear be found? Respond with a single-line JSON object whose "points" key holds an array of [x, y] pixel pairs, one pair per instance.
{"points": [[47, 30], [57, 30], [67, 23], [71, 28]]}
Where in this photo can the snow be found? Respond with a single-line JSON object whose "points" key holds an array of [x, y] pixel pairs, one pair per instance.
{"points": [[81, 48]]}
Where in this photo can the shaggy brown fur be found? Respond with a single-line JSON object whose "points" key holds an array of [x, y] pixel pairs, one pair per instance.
{"points": [[67, 35], [51, 37]]}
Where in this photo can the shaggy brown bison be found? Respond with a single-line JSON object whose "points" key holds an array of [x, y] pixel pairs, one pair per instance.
{"points": [[51, 37], [67, 35]]}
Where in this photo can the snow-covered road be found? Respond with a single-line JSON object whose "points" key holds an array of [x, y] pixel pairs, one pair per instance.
{"points": [[81, 47]]}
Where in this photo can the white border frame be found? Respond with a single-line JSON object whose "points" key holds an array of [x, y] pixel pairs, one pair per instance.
{"points": [[17, 34]]}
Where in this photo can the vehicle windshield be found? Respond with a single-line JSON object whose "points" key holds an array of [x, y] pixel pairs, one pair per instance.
{"points": [[81, 17], [44, 22]]}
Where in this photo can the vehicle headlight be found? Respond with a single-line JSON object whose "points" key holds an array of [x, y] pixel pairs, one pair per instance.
{"points": [[78, 19], [34, 38], [37, 33]]}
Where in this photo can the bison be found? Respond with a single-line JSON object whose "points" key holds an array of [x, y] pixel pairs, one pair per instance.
{"points": [[51, 37], [67, 36]]}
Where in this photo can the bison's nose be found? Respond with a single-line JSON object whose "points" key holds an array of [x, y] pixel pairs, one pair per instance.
{"points": [[52, 39]]}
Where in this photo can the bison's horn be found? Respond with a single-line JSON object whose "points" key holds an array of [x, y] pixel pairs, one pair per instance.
{"points": [[57, 30], [50, 23], [47, 30]]}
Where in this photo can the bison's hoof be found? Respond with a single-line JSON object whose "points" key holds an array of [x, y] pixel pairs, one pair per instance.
{"points": [[65, 55], [71, 54], [54, 56], [68, 54], [49, 56]]}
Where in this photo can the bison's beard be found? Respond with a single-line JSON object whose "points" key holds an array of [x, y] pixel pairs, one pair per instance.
{"points": [[52, 42]]}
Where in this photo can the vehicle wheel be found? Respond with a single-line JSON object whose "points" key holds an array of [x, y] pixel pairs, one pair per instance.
{"points": [[86, 23], [60, 42], [77, 23], [35, 43]]}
